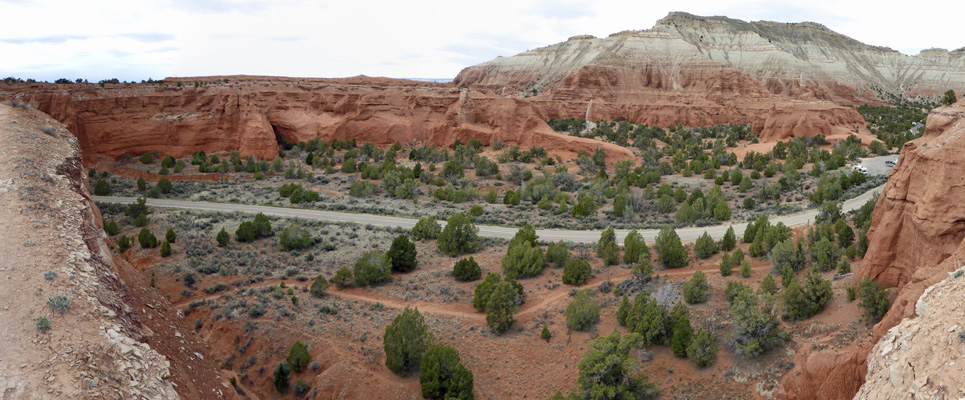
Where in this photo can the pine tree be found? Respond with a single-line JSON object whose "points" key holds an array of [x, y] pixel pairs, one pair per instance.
{"points": [[729, 241], [624, 311], [682, 330], [702, 350]]}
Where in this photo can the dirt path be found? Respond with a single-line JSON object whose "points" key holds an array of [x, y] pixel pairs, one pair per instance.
{"points": [[535, 304]]}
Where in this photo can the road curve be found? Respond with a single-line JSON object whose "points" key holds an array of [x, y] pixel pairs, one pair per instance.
{"points": [[576, 236]]}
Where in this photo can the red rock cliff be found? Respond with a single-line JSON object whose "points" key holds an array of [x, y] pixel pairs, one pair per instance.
{"points": [[253, 114], [915, 240]]}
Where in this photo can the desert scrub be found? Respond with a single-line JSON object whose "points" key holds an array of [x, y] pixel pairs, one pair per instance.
{"points": [[58, 303], [583, 312], [42, 323]]}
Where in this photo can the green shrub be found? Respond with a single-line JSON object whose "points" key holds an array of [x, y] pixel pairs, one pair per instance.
{"points": [[170, 236], [147, 158], [523, 260], [505, 299], [402, 253], [607, 367], [623, 311], [319, 286], [443, 376], [223, 238], [298, 356], [165, 249], [373, 268], [558, 253], [466, 270], [682, 332], [608, 236], [405, 341], [281, 377], [577, 272], [511, 198], [42, 324], [362, 189], [702, 350], [634, 247], [167, 161], [582, 312], [102, 188], [648, 319], [295, 237], [787, 253], [111, 227], [768, 285], [483, 290], [729, 241], [756, 328], [949, 98], [705, 246], [873, 298], [460, 236], [545, 334], [426, 228], [670, 251], [165, 186], [59, 303], [147, 239], [123, 243], [852, 292], [585, 207], [251, 230], [745, 269], [342, 278], [643, 270], [726, 265], [696, 289]]}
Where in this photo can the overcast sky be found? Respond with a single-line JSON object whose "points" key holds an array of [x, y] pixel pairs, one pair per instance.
{"points": [[135, 40]]}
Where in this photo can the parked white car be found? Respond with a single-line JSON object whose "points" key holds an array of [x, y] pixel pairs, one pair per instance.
{"points": [[861, 169]]}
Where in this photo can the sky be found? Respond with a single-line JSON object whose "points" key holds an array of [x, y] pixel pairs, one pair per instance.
{"points": [[137, 40]]}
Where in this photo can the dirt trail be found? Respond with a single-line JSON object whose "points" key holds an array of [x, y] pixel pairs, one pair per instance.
{"points": [[535, 304]]}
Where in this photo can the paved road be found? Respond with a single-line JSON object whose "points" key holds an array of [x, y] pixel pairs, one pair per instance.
{"points": [[588, 236]]}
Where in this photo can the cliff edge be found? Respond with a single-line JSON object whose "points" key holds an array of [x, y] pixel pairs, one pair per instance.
{"points": [[917, 238], [78, 321]]}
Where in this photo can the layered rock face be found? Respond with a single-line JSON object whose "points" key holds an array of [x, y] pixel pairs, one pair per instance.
{"points": [[253, 115], [802, 60], [110, 335]]}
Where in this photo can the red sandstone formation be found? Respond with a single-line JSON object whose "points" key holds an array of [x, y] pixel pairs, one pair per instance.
{"points": [[253, 114], [915, 240]]}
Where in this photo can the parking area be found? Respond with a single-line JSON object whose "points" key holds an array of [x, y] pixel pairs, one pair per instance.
{"points": [[876, 165]]}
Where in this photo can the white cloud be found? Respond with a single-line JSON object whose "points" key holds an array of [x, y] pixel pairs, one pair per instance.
{"points": [[48, 39]]}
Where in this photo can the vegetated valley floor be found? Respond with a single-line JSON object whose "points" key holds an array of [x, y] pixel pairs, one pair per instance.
{"points": [[250, 300]]}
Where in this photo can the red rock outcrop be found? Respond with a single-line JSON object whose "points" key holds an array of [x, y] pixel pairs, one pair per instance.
{"points": [[919, 221], [253, 114], [915, 240]]}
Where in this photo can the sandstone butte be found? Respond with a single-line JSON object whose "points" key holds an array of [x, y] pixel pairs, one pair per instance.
{"points": [[119, 338], [917, 239]]}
